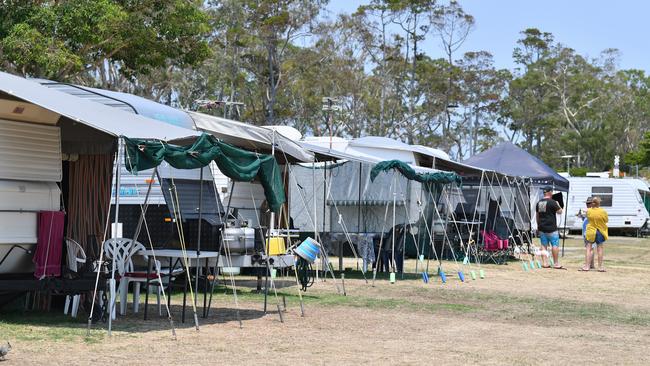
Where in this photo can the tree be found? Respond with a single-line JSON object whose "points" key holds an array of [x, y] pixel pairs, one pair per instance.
{"points": [[84, 40], [453, 26], [484, 89]]}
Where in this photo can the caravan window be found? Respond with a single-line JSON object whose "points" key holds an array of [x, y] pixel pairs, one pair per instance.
{"points": [[605, 194]]}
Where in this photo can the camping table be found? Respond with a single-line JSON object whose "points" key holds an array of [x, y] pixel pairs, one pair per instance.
{"points": [[175, 256]]}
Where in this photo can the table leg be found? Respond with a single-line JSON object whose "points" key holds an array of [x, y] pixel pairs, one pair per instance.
{"points": [[187, 278], [205, 287], [169, 284], [146, 296]]}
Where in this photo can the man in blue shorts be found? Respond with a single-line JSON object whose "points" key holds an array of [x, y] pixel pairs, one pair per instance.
{"points": [[547, 209]]}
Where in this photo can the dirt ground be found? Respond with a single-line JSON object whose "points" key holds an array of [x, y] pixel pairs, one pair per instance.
{"points": [[510, 317]]}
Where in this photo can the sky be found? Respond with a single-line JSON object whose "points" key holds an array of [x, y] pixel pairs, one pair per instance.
{"points": [[589, 27]]}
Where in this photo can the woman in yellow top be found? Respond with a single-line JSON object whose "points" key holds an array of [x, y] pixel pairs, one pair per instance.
{"points": [[596, 233]]}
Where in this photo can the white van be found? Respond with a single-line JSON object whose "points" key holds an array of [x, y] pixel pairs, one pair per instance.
{"points": [[621, 198]]}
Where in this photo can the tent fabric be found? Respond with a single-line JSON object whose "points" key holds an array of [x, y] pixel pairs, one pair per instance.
{"points": [[342, 152], [106, 119], [507, 158], [249, 137], [408, 172], [239, 165]]}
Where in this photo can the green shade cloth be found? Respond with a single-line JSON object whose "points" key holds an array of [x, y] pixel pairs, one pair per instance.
{"points": [[237, 164], [410, 174]]}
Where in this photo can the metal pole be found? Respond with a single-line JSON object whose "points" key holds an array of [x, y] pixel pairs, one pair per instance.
{"points": [[324, 193], [324, 204], [118, 173], [267, 243], [359, 217], [198, 241], [393, 229], [566, 203], [313, 184], [223, 242]]}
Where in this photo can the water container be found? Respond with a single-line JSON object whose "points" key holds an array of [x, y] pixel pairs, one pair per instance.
{"points": [[249, 238], [276, 246], [308, 250], [235, 239]]}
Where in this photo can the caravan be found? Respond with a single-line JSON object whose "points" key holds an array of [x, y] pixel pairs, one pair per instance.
{"points": [[621, 198]]}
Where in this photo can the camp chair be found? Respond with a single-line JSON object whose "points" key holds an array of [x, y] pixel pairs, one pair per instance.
{"points": [[123, 252], [494, 248]]}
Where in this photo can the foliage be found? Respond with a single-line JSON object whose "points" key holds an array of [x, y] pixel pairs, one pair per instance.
{"points": [[273, 62], [578, 172], [71, 39]]}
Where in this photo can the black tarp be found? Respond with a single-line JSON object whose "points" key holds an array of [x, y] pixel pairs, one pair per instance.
{"points": [[509, 159]]}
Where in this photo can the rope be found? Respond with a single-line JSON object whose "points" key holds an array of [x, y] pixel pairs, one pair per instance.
{"points": [[381, 240], [99, 266], [143, 212], [181, 236], [345, 230], [511, 235], [446, 237], [313, 222], [468, 252]]}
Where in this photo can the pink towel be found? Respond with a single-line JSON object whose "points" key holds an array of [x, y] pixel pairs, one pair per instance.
{"points": [[49, 247]]}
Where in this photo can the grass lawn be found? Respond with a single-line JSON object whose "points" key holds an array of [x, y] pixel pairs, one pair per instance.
{"points": [[538, 317]]}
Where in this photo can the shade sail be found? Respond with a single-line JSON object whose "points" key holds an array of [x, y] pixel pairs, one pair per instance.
{"points": [[237, 164], [507, 158], [109, 120], [408, 172], [249, 137]]}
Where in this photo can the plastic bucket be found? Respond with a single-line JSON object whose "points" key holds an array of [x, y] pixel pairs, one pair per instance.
{"points": [[308, 250]]}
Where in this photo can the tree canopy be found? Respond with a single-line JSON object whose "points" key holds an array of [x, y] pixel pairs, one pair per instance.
{"points": [[273, 62]]}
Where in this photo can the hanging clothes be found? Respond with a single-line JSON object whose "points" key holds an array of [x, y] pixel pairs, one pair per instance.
{"points": [[49, 247], [366, 249]]}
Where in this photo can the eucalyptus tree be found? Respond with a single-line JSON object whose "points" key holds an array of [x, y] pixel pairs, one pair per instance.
{"points": [[100, 42]]}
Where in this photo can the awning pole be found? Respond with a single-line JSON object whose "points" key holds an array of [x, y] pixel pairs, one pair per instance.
{"points": [[359, 218], [566, 203], [118, 173], [198, 241]]}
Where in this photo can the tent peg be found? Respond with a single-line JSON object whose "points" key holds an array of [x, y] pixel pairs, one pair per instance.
{"points": [[461, 276]]}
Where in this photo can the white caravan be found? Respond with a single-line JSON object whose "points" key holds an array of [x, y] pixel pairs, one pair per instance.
{"points": [[621, 198]]}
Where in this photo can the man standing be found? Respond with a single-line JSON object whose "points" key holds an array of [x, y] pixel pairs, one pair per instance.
{"points": [[547, 209]]}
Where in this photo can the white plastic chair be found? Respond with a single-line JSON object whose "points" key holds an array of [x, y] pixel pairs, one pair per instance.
{"points": [[122, 252], [76, 256]]}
